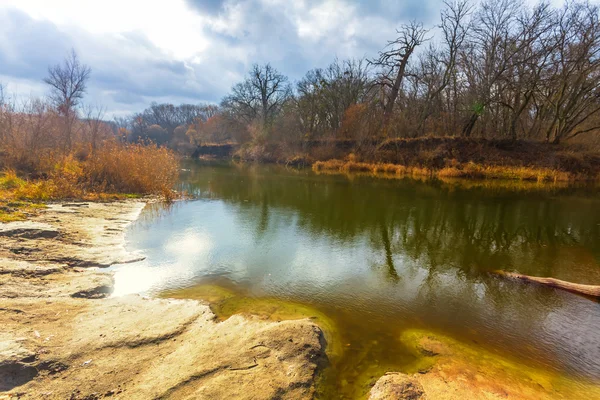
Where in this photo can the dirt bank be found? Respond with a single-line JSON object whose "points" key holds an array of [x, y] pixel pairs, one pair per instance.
{"points": [[63, 338]]}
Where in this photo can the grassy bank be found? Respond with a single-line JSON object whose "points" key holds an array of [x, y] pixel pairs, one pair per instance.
{"points": [[469, 170], [112, 171], [442, 157], [472, 159]]}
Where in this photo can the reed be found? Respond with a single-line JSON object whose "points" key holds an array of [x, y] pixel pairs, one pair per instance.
{"points": [[468, 170], [114, 170]]}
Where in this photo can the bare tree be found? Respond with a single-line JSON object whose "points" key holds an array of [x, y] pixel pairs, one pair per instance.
{"points": [[572, 91], [67, 83], [438, 66], [394, 62], [3, 114], [500, 69], [260, 96], [525, 70], [488, 56], [95, 125], [324, 95], [308, 102], [208, 111]]}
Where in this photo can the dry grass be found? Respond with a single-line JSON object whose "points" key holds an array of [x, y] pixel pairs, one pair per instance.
{"points": [[132, 168], [44, 158], [11, 209], [114, 171], [10, 180], [475, 171], [479, 158], [468, 170], [360, 167]]}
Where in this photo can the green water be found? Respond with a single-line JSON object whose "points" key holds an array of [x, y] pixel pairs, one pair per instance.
{"points": [[372, 258]]}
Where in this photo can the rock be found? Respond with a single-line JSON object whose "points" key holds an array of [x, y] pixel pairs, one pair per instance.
{"points": [[431, 347], [14, 363], [28, 230], [99, 291], [162, 348], [36, 281], [26, 269], [397, 386], [13, 351]]}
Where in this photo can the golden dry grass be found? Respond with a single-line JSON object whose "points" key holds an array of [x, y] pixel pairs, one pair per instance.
{"points": [[475, 171], [114, 171], [11, 208], [132, 168], [468, 170], [353, 167]]}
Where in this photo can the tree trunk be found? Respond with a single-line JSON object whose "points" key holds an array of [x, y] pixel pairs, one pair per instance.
{"points": [[389, 107], [586, 290], [468, 128], [513, 129]]}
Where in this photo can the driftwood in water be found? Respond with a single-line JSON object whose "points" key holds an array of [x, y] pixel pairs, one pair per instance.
{"points": [[586, 290]]}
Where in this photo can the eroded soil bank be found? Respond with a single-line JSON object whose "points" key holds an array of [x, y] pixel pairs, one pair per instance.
{"points": [[63, 338]]}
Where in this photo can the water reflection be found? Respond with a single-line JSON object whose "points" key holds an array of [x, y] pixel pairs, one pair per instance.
{"points": [[467, 229], [379, 256]]}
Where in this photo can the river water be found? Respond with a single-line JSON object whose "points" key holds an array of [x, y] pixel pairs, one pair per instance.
{"points": [[379, 256]]}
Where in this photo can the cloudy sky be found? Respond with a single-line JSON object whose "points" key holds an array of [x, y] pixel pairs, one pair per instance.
{"points": [[188, 50]]}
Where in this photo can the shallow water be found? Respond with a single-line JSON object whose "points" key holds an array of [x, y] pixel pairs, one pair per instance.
{"points": [[376, 257]]}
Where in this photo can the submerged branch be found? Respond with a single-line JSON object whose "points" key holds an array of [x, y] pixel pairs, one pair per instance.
{"points": [[586, 290]]}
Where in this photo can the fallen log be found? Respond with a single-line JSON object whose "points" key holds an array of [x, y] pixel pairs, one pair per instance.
{"points": [[586, 290]]}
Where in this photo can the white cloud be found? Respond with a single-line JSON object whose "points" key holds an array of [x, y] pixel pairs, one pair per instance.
{"points": [[189, 50], [170, 26]]}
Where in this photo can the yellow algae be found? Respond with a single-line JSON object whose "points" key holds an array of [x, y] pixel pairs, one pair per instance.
{"points": [[447, 368], [459, 370]]}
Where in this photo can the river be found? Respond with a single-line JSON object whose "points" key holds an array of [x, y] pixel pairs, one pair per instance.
{"points": [[375, 257]]}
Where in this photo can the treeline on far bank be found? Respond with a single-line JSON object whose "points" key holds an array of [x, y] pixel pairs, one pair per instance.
{"points": [[495, 83]]}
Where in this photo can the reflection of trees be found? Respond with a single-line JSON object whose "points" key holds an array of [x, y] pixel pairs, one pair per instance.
{"points": [[445, 227], [263, 221], [154, 211], [432, 244], [389, 259]]}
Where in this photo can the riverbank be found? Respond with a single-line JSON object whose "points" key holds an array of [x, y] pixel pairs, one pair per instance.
{"points": [[440, 157], [64, 337]]}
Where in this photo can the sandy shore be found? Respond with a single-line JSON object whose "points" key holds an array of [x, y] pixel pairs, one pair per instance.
{"points": [[63, 337]]}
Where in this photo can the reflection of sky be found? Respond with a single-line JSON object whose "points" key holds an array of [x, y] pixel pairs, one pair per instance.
{"points": [[267, 251], [209, 237]]}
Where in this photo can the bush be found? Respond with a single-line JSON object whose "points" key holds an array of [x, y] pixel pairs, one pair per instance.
{"points": [[10, 180], [132, 168], [113, 169]]}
